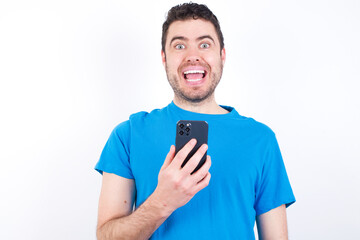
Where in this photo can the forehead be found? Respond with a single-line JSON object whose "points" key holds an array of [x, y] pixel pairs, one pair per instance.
{"points": [[192, 29]]}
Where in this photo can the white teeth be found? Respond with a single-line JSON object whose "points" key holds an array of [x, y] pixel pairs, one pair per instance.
{"points": [[194, 71], [193, 80]]}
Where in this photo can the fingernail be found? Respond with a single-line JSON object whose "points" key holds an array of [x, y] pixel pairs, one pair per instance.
{"points": [[205, 146], [193, 141]]}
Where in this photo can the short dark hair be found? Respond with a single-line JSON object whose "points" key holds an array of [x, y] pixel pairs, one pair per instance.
{"points": [[187, 11]]}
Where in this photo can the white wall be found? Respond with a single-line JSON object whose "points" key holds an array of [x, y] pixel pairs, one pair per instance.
{"points": [[71, 70]]}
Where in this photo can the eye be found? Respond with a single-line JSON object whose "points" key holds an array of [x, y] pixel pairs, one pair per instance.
{"points": [[179, 46], [204, 45]]}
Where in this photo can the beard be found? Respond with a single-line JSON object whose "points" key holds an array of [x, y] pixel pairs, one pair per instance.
{"points": [[194, 95]]}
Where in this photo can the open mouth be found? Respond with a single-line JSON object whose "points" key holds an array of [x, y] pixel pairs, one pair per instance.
{"points": [[194, 75]]}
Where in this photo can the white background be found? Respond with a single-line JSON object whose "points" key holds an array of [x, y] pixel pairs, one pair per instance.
{"points": [[71, 71]]}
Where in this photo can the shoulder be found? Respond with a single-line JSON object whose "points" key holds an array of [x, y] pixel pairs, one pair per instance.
{"points": [[250, 128], [249, 124], [138, 119], [122, 130], [144, 116], [261, 128]]}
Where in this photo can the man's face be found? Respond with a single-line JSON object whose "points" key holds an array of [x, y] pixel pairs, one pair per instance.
{"points": [[192, 59]]}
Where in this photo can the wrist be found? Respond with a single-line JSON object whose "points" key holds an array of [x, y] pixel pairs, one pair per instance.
{"points": [[160, 207]]}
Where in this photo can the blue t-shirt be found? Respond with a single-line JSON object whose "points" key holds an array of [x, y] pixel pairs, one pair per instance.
{"points": [[248, 176]]}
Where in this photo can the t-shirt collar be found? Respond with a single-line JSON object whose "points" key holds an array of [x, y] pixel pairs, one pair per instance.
{"points": [[191, 115]]}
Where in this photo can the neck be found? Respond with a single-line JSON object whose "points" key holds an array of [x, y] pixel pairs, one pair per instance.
{"points": [[207, 106]]}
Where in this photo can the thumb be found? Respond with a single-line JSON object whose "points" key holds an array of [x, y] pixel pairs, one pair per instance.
{"points": [[169, 157]]}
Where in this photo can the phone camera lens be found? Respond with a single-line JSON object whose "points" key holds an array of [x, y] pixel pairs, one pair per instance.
{"points": [[181, 132], [187, 129], [181, 125]]}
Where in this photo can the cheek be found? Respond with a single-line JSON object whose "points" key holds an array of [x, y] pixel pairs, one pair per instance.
{"points": [[215, 61], [173, 62], [211, 58]]}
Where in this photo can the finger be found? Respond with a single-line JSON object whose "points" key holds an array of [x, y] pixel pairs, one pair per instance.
{"points": [[203, 183], [201, 173], [182, 154], [169, 157], [195, 159]]}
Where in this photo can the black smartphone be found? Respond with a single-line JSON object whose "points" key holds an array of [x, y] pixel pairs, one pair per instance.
{"points": [[187, 130]]}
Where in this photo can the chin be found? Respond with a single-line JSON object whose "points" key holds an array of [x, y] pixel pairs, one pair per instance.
{"points": [[196, 98]]}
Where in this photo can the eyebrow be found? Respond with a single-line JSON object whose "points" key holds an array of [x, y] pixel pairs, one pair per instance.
{"points": [[205, 36], [178, 38], [186, 39]]}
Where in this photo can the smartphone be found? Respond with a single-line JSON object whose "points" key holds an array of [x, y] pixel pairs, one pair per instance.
{"points": [[187, 130]]}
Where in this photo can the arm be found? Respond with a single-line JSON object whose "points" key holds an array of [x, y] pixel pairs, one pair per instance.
{"points": [[115, 211], [176, 186], [272, 225]]}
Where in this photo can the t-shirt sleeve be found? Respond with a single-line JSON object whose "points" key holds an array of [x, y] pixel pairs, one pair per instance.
{"points": [[274, 188], [115, 157]]}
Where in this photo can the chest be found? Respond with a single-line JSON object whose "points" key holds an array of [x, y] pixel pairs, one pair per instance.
{"points": [[236, 161]]}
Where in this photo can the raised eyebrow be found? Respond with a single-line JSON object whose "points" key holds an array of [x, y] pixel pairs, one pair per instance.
{"points": [[178, 38], [205, 36]]}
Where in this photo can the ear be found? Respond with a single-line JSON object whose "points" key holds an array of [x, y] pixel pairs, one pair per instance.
{"points": [[223, 56], [163, 58]]}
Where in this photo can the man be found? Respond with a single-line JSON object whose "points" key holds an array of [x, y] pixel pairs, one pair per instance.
{"points": [[247, 180]]}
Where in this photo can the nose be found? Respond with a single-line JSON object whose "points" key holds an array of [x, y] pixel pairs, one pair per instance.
{"points": [[192, 58], [192, 55]]}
